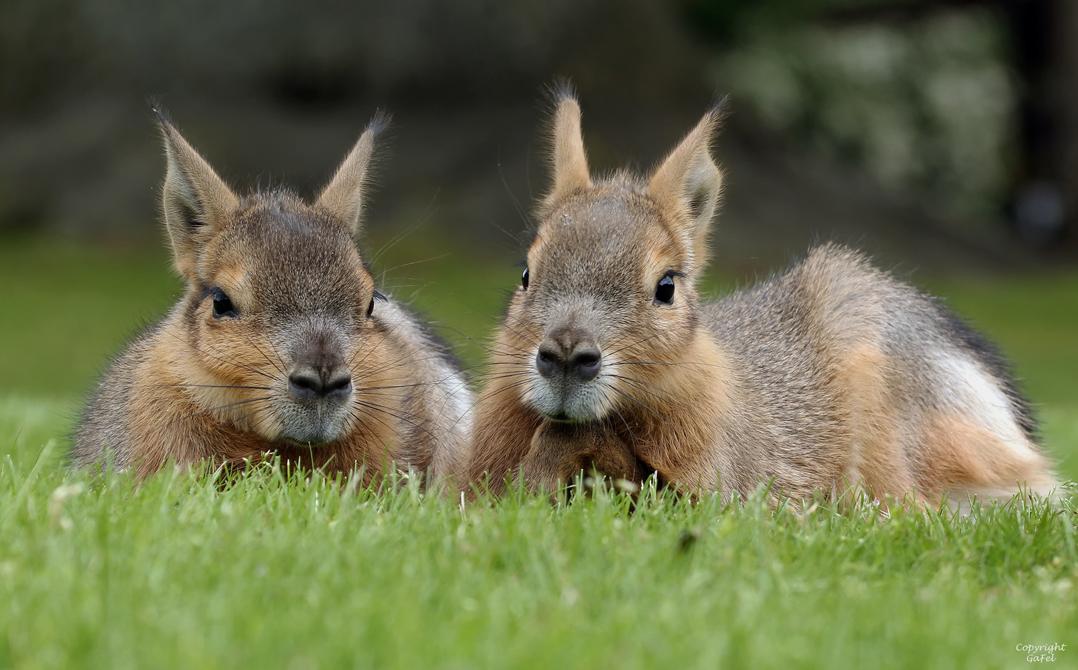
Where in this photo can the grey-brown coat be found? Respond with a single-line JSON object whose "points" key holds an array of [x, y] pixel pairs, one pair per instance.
{"points": [[828, 376], [280, 346]]}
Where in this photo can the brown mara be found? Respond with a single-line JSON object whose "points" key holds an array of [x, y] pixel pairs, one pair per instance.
{"points": [[281, 344], [832, 376]]}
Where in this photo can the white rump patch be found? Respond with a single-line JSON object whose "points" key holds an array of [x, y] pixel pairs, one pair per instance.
{"points": [[972, 390]]}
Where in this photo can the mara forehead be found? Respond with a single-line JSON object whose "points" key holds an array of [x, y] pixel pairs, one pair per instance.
{"points": [[614, 225], [291, 250]]}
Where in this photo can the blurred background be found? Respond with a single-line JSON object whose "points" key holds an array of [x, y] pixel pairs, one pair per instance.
{"points": [[939, 136]]}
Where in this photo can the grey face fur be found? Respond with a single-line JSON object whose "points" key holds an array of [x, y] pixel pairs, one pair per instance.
{"points": [[280, 347], [284, 278], [592, 300], [300, 296]]}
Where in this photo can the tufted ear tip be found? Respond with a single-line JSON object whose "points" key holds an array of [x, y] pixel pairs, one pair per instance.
{"points": [[562, 89], [344, 195], [688, 182], [194, 198], [163, 117], [568, 157]]}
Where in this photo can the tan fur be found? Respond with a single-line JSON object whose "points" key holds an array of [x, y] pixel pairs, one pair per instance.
{"points": [[230, 387], [959, 455], [344, 193], [688, 186], [875, 462], [570, 160], [831, 377], [501, 419]]}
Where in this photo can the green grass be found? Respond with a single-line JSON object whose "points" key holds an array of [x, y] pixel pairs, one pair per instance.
{"points": [[279, 572], [273, 571]]}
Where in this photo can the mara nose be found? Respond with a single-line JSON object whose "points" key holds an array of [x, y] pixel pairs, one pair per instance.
{"points": [[583, 362], [308, 383]]}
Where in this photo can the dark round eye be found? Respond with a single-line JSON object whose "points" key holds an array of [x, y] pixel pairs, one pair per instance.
{"points": [[524, 279], [222, 306], [370, 307], [664, 292]]}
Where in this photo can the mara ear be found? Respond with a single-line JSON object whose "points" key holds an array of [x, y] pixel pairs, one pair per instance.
{"points": [[689, 183], [196, 201], [570, 160], [343, 196]]}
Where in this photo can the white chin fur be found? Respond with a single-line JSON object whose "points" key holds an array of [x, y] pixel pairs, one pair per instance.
{"points": [[569, 401], [313, 425]]}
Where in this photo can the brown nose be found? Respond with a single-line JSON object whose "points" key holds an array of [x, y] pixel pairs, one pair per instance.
{"points": [[569, 352], [307, 382]]}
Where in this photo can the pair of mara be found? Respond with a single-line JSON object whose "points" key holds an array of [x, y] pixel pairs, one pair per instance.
{"points": [[832, 374]]}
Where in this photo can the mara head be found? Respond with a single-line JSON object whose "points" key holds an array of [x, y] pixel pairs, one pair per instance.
{"points": [[279, 329], [608, 297]]}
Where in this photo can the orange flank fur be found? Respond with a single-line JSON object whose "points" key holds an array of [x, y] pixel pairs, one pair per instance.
{"points": [[832, 377], [280, 346]]}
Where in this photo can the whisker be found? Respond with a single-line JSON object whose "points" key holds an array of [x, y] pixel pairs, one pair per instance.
{"points": [[632, 435], [633, 344], [246, 416], [709, 365], [232, 363], [490, 350], [509, 387], [493, 376], [529, 338], [378, 408], [276, 353], [214, 409], [398, 362], [214, 386], [640, 384], [359, 350], [405, 233], [252, 343], [394, 386], [520, 363], [404, 265], [385, 410], [630, 397]]}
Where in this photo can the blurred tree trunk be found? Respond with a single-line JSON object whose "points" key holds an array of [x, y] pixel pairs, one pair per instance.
{"points": [[1044, 43], [1065, 84]]}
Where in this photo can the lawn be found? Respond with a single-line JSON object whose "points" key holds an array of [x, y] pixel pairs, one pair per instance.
{"points": [[279, 571]]}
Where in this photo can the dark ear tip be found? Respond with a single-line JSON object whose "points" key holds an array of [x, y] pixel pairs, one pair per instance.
{"points": [[159, 110]]}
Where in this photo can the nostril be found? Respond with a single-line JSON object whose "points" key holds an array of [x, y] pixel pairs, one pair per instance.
{"points": [[586, 363], [547, 361], [304, 384], [339, 386], [309, 383], [587, 358]]}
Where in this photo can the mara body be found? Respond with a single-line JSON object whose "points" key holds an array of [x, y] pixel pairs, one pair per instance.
{"points": [[280, 346], [830, 376]]}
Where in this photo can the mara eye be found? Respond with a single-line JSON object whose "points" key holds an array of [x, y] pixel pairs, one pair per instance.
{"points": [[370, 307], [664, 291], [524, 279], [222, 306]]}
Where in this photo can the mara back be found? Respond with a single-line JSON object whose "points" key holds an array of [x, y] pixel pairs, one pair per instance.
{"points": [[828, 377], [280, 345]]}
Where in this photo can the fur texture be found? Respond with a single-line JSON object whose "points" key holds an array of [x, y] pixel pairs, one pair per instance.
{"points": [[281, 345], [830, 376]]}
